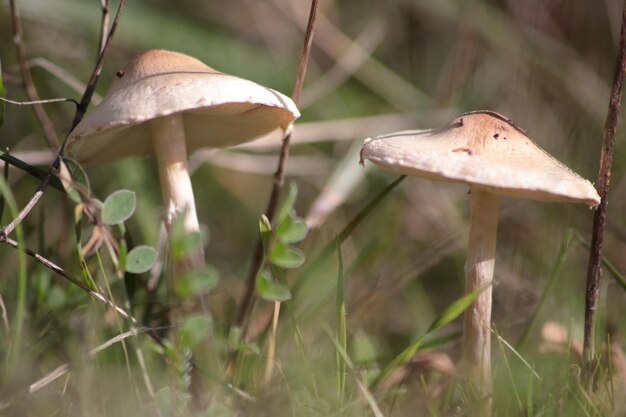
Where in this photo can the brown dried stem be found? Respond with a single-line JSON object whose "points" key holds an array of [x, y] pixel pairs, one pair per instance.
{"points": [[80, 112], [279, 175], [31, 90], [60, 271], [594, 271]]}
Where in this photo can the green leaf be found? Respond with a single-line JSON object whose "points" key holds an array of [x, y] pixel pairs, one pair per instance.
{"points": [[197, 282], [266, 232], [195, 329], [31, 170], [292, 230], [140, 259], [270, 291], [286, 256], [118, 207], [122, 255], [5, 176], [182, 242], [452, 312], [2, 104], [79, 183], [287, 205]]}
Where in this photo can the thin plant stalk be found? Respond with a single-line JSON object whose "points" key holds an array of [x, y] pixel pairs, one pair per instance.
{"points": [[18, 39], [279, 177], [554, 275], [594, 271], [80, 112], [15, 347], [342, 338]]}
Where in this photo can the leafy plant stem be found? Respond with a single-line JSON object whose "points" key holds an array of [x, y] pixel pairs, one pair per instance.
{"points": [[279, 177]]}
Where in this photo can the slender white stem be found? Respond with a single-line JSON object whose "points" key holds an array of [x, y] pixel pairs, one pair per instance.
{"points": [[168, 140], [479, 277]]}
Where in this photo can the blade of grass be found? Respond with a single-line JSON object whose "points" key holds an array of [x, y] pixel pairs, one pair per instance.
{"points": [[607, 263], [529, 397], [452, 312], [5, 175], [509, 372], [2, 105], [341, 328], [35, 172], [345, 233], [118, 322], [367, 394], [518, 355], [15, 348], [554, 275]]}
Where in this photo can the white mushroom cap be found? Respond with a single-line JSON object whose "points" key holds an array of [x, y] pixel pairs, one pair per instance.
{"points": [[219, 109], [485, 150]]}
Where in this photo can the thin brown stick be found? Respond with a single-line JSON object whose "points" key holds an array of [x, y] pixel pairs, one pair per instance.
{"points": [[279, 175], [47, 101], [31, 90], [80, 112], [60, 271], [594, 270]]}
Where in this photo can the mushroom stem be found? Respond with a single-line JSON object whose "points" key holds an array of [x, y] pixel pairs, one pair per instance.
{"points": [[479, 277], [168, 140]]}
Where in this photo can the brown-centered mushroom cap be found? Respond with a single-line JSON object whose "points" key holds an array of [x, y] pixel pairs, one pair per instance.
{"points": [[483, 149], [218, 109]]}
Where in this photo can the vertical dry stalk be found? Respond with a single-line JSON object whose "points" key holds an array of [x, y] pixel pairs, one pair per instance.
{"points": [[279, 177], [599, 221], [31, 91]]}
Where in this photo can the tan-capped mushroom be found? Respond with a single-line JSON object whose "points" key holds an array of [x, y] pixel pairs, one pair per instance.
{"points": [[492, 155], [170, 104]]}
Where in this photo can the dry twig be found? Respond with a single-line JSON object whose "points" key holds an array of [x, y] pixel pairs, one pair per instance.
{"points": [[31, 90], [599, 221]]}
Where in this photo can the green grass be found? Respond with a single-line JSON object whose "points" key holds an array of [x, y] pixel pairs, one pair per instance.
{"points": [[369, 325]]}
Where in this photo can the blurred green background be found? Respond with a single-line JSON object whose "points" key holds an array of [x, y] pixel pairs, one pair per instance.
{"points": [[546, 64]]}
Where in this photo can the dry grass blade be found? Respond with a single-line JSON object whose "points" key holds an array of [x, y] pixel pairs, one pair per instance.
{"points": [[378, 77], [346, 176], [354, 57], [31, 90]]}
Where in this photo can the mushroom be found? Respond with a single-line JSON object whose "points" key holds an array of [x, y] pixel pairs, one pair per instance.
{"points": [[492, 155], [170, 104]]}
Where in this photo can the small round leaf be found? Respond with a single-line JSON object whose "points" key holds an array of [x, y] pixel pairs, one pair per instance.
{"points": [[140, 259], [270, 291], [197, 282], [118, 207], [195, 329], [286, 256]]}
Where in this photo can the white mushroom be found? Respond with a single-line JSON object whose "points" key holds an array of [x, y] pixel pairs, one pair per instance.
{"points": [[493, 156], [170, 104]]}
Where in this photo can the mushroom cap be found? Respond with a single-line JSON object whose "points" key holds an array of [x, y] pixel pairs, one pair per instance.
{"points": [[218, 109], [485, 150]]}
